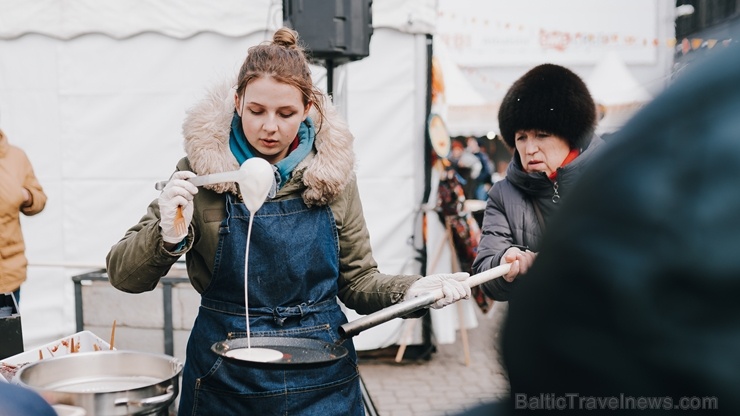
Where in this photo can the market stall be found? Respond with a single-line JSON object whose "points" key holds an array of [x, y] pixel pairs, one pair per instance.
{"points": [[112, 82]]}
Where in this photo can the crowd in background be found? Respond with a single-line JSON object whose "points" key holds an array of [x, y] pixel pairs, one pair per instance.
{"points": [[479, 162]]}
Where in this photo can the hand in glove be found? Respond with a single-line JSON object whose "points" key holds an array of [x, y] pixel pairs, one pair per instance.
{"points": [[453, 286], [177, 193]]}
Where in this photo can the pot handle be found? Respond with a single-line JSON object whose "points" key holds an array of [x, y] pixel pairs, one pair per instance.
{"points": [[150, 401], [424, 300]]}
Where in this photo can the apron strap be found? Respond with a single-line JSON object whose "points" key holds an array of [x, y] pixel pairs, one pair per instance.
{"points": [[279, 314]]}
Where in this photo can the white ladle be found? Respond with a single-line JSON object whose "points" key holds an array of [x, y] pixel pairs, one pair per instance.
{"points": [[210, 179], [255, 178]]}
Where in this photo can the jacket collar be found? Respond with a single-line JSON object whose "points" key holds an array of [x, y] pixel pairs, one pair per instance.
{"points": [[324, 173]]}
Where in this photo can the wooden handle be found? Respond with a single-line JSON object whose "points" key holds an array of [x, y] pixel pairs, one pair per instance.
{"points": [[490, 274], [478, 279], [406, 307]]}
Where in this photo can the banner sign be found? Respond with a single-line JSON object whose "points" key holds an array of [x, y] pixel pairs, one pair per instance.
{"points": [[566, 32]]}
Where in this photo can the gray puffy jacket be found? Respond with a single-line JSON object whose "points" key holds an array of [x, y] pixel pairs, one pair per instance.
{"points": [[510, 218]]}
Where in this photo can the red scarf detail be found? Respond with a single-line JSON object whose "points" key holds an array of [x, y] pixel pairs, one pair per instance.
{"points": [[293, 145], [571, 155]]}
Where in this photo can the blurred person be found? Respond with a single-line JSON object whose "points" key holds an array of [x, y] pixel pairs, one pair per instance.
{"points": [[500, 172], [635, 291], [21, 401], [309, 243], [501, 158], [548, 118], [467, 166], [483, 180], [20, 193]]}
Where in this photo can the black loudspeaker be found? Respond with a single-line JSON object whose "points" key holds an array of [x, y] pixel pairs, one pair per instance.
{"points": [[337, 30]]}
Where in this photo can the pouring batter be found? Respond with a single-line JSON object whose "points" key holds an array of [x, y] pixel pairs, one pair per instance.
{"points": [[309, 243]]}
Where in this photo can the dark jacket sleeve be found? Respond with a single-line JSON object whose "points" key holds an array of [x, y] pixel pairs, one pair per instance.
{"points": [[496, 238], [362, 286], [137, 262]]}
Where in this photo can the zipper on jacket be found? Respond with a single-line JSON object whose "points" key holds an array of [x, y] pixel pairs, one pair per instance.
{"points": [[556, 195]]}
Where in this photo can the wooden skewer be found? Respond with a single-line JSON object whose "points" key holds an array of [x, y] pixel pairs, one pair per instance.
{"points": [[113, 334], [179, 222]]}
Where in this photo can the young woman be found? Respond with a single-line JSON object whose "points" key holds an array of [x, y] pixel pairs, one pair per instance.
{"points": [[309, 243], [548, 117]]}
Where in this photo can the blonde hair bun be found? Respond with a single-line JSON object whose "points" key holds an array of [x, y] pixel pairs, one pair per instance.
{"points": [[286, 37]]}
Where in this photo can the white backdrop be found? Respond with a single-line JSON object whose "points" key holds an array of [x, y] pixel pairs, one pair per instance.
{"points": [[496, 41], [96, 92], [528, 32]]}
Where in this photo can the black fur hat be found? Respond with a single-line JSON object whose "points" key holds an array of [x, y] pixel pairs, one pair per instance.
{"points": [[550, 98]]}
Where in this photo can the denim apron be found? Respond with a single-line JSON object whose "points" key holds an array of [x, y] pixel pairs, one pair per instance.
{"points": [[292, 288]]}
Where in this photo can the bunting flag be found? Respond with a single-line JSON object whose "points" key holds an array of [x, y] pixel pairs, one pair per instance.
{"points": [[688, 45], [612, 39]]}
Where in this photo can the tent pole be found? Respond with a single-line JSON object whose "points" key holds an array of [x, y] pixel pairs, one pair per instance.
{"points": [[330, 79]]}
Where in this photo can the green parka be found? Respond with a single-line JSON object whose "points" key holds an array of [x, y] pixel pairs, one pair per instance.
{"points": [[326, 176]]}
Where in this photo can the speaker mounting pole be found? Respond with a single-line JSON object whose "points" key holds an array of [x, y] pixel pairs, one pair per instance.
{"points": [[330, 78]]}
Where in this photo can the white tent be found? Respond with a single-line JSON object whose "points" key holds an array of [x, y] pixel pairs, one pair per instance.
{"points": [[95, 93], [613, 86], [497, 41], [464, 109], [611, 83]]}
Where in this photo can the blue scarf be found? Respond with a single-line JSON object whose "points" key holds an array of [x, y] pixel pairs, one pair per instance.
{"points": [[243, 151]]}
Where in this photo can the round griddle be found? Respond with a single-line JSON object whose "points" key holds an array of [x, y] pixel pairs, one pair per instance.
{"points": [[296, 351]]}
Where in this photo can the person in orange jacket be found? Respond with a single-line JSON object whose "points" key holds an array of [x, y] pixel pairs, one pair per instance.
{"points": [[20, 192]]}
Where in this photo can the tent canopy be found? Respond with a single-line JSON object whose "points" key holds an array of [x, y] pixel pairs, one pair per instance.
{"points": [[68, 19], [612, 84], [95, 93], [466, 111]]}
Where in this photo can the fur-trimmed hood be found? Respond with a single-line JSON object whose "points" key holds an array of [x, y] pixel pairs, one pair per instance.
{"points": [[328, 169]]}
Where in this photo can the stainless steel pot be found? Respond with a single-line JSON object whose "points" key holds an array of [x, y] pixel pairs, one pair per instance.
{"points": [[112, 383]]}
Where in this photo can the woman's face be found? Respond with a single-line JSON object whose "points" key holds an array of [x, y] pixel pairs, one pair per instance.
{"points": [[540, 151], [271, 114]]}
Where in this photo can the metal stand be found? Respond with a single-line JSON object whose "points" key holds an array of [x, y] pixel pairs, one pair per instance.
{"points": [[166, 282]]}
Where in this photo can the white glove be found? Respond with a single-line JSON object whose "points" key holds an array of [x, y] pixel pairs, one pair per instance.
{"points": [[453, 286], [177, 193]]}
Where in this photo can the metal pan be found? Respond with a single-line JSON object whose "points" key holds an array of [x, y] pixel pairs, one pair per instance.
{"points": [[306, 352]]}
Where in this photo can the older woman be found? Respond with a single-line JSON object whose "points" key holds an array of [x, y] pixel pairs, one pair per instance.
{"points": [[548, 117]]}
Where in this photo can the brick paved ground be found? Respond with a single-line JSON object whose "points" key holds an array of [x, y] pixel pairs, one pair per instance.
{"points": [[443, 385]]}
